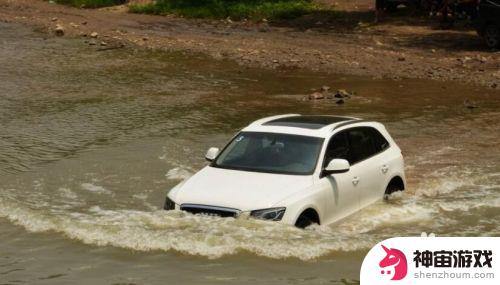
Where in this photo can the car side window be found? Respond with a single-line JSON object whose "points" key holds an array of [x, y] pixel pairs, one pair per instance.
{"points": [[379, 140], [361, 144], [365, 142], [355, 144], [338, 147]]}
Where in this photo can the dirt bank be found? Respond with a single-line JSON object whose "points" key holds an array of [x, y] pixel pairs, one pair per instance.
{"points": [[346, 43]]}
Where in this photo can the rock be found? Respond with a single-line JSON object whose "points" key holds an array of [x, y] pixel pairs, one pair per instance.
{"points": [[325, 88], [84, 23], [94, 35], [53, 19], [104, 44], [92, 42], [340, 101], [470, 104], [402, 59], [342, 93], [316, 96], [59, 31], [494, 85]]}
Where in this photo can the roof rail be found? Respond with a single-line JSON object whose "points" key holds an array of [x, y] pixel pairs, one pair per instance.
{"points": [[343, 124], [267, 119]]}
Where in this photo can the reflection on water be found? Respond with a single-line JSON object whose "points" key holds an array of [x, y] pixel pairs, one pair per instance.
{"points": [[91, 141]]}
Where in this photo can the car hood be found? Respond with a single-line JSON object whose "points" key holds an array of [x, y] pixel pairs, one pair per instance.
{"points": [[241, 190]]}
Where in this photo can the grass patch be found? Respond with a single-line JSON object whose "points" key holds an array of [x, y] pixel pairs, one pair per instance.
{"points": [[91, 3], [235, 9]]}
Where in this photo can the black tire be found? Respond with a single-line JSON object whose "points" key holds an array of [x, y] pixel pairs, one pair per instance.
{"points": [[491, 36], [303, 222]]}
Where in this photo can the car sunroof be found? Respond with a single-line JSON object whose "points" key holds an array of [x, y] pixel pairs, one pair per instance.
{"points": [[306, 122]]}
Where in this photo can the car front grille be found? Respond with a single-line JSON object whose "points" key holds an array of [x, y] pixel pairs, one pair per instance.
{"points": [[210, 210]]}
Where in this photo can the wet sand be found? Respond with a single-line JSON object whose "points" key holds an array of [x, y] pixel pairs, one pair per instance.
{"points": [[346, 42]]}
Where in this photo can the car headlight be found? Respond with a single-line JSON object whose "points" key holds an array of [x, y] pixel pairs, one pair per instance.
{"points": [[273, 214], [169, 204]]}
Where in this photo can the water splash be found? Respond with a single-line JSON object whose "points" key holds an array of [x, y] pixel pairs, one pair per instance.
{"points": [[95, 188], [180, 173]]}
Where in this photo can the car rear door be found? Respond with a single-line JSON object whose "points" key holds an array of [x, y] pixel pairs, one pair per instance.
{"points": [[367, 146]]}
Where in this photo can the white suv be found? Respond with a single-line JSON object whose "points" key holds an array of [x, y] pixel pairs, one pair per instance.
{"points": [[295, 169]]}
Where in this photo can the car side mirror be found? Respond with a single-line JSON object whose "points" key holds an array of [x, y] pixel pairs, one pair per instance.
{"points": [[336, 166], [212, 153]]}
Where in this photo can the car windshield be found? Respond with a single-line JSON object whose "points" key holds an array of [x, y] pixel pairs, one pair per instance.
{"points": [[272, 153]]}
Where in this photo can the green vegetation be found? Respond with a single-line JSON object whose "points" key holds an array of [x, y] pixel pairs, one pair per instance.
{"points": [[235, 9], [91, 3]]}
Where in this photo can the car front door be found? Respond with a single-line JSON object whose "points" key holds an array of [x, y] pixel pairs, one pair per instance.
{"points": [[342, 190]]}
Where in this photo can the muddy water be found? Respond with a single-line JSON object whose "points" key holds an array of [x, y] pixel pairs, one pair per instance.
{"points": [[91, 141]]}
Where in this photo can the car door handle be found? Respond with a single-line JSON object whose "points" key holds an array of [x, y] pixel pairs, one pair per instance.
{"points": [[385, 168], [355, 181]]}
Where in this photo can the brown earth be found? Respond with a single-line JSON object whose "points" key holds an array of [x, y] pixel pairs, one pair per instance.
{"points": [[346, 41]]}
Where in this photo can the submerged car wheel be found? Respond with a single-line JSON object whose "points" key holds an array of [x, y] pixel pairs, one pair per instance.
{"points": [[391, 189], [492, 36], [303, 222], [396, 185], [307, 218]]}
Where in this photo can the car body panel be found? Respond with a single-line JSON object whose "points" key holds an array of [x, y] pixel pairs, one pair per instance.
{"points": [[241, 190], [488, 14], [489, 11], [341, 196], [311, 197]]}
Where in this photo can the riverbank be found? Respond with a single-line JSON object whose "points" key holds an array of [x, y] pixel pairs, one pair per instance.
{"points": [[345, 42]]}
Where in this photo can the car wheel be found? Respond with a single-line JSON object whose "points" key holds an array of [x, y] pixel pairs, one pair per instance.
{"points": [[303, 222], [491, 36], [392, 188], [307, 218]]}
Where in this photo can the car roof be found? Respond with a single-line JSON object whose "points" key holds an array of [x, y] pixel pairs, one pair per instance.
{"points": [[307, 125], [313, 122]]}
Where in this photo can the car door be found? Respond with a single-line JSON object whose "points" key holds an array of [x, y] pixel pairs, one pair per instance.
{"points": [[366, 146], [342, 190]]}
